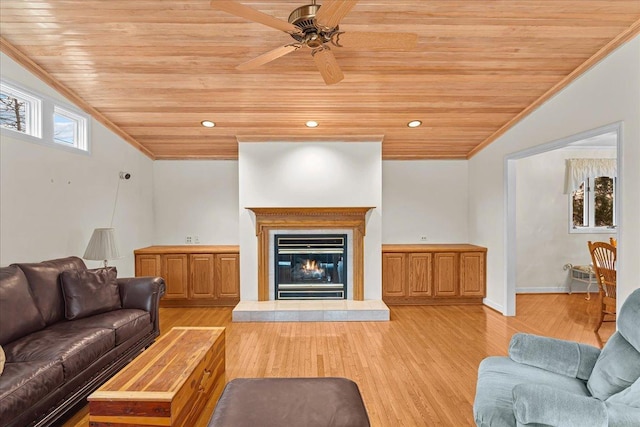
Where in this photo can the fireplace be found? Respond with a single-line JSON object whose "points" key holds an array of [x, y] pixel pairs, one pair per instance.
{"points": [[310, 266], [333, 220]]}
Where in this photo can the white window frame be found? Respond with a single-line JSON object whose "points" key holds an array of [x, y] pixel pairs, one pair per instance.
{"points": [[33, 110], [590, 212], [79, 134], [43, 133]]}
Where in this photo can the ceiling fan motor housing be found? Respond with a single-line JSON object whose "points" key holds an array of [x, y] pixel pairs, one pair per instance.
{"points": [[304, 18]]}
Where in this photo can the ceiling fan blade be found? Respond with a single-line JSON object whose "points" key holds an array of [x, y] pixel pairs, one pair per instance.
{"points": [[332, 11], [375, 41], [269, 56], [327, 65], [254, 15]]}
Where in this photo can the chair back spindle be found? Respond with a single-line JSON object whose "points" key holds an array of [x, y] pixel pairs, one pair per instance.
{"points": [[603, 257]]}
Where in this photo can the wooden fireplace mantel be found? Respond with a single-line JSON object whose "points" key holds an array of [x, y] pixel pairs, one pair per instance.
{"points": [[353, 218]]}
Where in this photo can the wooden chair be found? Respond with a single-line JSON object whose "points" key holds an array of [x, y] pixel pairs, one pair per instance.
{"points": [[603, 256]]}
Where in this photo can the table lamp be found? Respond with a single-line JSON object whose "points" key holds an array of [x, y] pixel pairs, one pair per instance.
{"points": [[102, 245]]}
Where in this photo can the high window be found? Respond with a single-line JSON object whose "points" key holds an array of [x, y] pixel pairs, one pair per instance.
{"points": [[592, 201], [37, 118], [20, 111]]}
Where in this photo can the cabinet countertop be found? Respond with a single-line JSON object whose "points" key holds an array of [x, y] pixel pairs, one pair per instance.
{"points": [[188, 249], [434, 247]]}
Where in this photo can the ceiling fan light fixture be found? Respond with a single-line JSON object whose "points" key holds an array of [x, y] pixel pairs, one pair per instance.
{"points": [[207, 123], [312, 124], [414, 123]]}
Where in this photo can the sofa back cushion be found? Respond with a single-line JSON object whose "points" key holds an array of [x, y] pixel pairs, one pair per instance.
{"points": [[44, 281], [19, 315], [89, 292], [629, 319], [617, 367]]}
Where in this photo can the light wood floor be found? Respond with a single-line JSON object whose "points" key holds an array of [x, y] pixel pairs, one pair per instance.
{"points": [[419, 369]]}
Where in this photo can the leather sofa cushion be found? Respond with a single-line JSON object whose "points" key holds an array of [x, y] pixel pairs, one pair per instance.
{"points": [[24, 384], [75, 348], [19, 315], [125, 322], [274, 402], [45, 286], [89, 292]]}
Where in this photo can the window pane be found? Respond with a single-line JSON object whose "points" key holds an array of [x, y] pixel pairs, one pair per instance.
{"points": [[603, 201], [64, 130], [578, 207], [13, 113]]}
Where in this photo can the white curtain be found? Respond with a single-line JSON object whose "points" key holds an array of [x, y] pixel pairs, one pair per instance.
{"points": [[578, 170]]}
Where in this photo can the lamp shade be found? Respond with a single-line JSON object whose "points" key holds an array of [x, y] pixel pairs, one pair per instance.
{"points": [[102, 245]]}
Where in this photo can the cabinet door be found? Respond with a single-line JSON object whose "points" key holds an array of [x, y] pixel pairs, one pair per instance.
{"points": [[201, 267], [445, 274], [148, 265], [176, 275], [420, 275], [472, 274], [228, 276], [394, 275]]}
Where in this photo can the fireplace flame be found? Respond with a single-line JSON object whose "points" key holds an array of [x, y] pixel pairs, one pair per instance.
{"points": [[311, 265]]}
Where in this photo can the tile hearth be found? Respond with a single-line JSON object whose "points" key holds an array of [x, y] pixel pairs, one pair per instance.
{"points": [[311, 311]]}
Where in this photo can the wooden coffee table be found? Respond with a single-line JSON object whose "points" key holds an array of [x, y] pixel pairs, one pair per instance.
{"points": [[169, 384]]}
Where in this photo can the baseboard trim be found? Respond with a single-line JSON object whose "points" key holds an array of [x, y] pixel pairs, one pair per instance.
{"points": [[545, 290], [497, 307], [576, 289]]}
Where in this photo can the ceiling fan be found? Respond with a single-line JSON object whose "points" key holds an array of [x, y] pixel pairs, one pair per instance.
{"points": [[316, 27]]}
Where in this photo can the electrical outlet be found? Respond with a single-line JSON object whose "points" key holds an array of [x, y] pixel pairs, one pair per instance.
{"points": [[423, 238], [188, 240], [196, 239]]}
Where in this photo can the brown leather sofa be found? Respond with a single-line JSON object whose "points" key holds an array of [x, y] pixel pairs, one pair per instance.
{"points": [[65, 330]]}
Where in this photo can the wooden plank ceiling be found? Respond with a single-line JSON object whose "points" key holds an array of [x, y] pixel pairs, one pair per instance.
{"points": [[153, 70]]}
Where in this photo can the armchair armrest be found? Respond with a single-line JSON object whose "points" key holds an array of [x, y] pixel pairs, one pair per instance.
{"points": [[143, 293], [537, 404], [567, 358]]}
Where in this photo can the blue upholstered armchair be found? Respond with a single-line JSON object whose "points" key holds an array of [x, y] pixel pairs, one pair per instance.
{"points": [[551, 382]]}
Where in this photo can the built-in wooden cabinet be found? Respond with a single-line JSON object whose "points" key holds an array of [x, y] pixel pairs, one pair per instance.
{"points": [[148, 265], [433, 274], [420, 272], [202, 268], [227, 276], [174, 268], [472, 274], [394, 275], [194, 275]]}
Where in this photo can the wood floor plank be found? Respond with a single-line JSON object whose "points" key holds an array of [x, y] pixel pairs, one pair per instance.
{"points": [[418, 369]]}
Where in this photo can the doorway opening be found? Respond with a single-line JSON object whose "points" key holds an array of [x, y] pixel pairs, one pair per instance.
{"points": [[538, 210]]}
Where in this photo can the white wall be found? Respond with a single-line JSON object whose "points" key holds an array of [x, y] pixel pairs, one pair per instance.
{"points": [[52, 199], [421, 198], [425, 198], [606, 94], [310, 175], [196, 198], [544, 244]]}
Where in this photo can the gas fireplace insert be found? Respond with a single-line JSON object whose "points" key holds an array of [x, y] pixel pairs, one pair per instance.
{"points": [[310, 266]]}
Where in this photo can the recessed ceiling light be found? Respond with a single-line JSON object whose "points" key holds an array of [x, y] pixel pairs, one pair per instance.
{"points": [[312, 124], [414, 123], [207, 123]]}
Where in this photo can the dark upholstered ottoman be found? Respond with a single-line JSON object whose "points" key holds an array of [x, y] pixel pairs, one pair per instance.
{"points": [[290, 402]]}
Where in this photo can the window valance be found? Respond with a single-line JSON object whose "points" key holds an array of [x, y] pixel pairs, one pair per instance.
{"points": [[578, 170]]}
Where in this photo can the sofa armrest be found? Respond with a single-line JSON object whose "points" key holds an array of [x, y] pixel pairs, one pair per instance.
{"points": [[143, 293], [567, 358], [537, 404]]}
